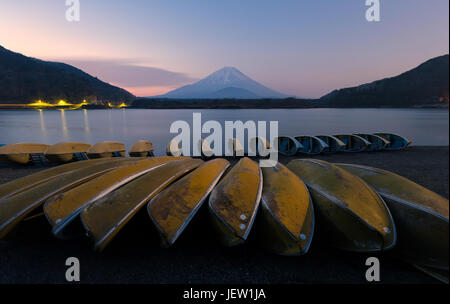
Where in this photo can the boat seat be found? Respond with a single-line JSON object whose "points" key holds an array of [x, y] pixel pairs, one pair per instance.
{"points": [[80, 156], [38, 159]]}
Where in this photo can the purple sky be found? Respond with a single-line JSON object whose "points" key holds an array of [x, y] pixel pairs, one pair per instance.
{"points": [[302, 48]]}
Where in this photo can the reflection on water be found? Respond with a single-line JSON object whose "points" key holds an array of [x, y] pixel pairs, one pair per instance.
{"points": [[86, 121], [65, 132], [423, 126], [124, 122], [42, 121]]}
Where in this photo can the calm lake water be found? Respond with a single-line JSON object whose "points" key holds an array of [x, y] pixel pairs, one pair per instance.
{"points": [[422, 126]]}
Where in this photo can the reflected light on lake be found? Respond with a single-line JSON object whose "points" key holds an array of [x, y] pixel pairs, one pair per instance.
{"points": [[86, 121], [64, 125], [44, 131], [423, 126], [124, 122]]}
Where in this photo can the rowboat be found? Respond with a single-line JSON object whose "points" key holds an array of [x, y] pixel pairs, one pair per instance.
{"points": [[24, 183], [421, 216], [141, 148], [353, 143], [104, 218], [17, 207], [63, 209], [106, 149], [334, 144], [286, 216], [204, 148], [234, 201], [207, 151], [22, 153], [235, 146], [350, 215], [173, 209], [288, 145], [377, 143], [311, 144], [67, 151], [173, 148], [396, 142], [259, 146]]}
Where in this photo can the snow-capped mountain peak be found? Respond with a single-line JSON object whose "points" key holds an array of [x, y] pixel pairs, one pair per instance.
{"points": [[226, 75], [229, 79]]}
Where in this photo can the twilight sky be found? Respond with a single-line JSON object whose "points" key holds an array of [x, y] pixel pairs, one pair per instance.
{"points": [[299, 47]]}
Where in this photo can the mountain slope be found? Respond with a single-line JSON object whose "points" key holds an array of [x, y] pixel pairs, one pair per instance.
{"points": [[424, 85], [224, 79], [24, 80], [233, 93]]}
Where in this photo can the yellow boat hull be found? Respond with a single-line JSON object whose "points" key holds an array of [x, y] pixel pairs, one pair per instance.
{"points": [[64, 152], [141, 148], [17, 207], [172, 210], [350, 215], [287, 215], [21, 184], [421, 216], [104, 218], [62, 209], [20, 153], [106, 149], [234, 202]]}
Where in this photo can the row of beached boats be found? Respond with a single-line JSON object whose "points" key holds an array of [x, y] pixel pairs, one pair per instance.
{"points": [[311, 145], [341, 143], [24, 153], [351, 207]]}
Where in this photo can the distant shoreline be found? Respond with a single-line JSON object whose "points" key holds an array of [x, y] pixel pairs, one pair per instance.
{"points": [[142, 103]]}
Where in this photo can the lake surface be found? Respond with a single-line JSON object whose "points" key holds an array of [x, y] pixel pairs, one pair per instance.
{"points": [[422, 126]]}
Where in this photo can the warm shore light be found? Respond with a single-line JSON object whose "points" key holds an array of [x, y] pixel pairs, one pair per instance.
{"points": [[40, 103], [64, 103]]}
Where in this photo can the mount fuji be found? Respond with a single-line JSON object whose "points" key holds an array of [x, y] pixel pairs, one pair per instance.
{"points": [[227, 82]]}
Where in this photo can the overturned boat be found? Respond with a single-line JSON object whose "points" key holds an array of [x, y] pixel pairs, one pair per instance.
{"points": [[353, 143], [63, 209], [350, 215], [67, 151], [421, 216], [259, 146], [106, 149], [30, 181], [235, 147], [173, 148], [334, 144], [311, 144], [173, 209], [141, 148], [288, 146], [204, 148], [234, 202], [377, 143], [396, 142], [14, 209], [286, 215], [23, 153], [104, 218]]}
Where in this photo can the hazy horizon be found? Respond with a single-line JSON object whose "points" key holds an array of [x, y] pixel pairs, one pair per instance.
{"points": [[301, 48]]}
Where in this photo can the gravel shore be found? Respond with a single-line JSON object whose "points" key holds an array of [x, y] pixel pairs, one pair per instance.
{"points": [[32, 255]]}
